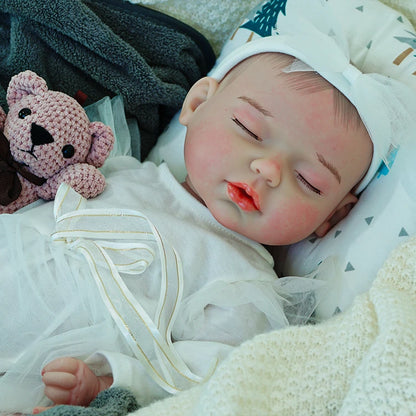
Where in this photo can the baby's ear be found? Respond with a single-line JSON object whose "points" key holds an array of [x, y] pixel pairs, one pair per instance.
{"points": [[200, 92], [339, 213]]}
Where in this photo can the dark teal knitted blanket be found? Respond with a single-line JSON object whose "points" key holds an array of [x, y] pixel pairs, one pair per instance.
{"points": [[105, 47], [112, 402]]}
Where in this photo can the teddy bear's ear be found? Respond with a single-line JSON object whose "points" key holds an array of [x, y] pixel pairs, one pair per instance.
{"points": [[23, 84], [2, 118], [101, 145]]}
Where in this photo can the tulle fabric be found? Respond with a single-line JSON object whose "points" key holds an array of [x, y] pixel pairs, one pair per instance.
{"points": [[110, 111], [49, 308]]}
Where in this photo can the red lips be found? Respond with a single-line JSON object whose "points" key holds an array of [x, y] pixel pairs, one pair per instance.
{"points": [[244, 196]]}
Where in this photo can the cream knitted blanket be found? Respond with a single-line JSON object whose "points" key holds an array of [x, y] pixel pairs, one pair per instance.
{"points": [[361, 362]]}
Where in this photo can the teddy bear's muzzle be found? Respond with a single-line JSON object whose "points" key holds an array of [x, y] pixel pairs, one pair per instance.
{"points": [[38, 136]]}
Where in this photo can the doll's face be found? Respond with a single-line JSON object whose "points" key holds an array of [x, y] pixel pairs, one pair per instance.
{"points": [[269, 162]]}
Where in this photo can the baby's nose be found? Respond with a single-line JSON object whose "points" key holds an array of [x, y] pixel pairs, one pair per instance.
{"points": [[269, 169]]}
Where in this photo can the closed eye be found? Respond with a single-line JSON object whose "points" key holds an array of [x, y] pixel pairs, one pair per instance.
{"points": [[245, 129], [307, 184]]}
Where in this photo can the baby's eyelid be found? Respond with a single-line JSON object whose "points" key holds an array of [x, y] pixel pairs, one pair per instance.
{"points": [[307, 184], [243, 127]]}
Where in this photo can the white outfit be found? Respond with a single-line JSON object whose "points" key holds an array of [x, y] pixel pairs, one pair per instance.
{"points": [[93, 284]]}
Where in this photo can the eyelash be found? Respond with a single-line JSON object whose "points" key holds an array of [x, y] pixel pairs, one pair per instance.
{"points": [[307, 184], [244, 128]]}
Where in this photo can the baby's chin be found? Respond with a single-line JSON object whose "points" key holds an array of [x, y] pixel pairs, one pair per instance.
{"points": [[236, 224]]}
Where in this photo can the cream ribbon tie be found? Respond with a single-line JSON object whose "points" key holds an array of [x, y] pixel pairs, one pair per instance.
{"points": [[115, 241]]}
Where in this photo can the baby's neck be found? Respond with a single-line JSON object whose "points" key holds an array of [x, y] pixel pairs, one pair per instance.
{"points": [[192, 192]]}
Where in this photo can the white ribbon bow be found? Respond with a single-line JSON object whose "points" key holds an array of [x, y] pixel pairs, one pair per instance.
{"points": [[387, 107]]}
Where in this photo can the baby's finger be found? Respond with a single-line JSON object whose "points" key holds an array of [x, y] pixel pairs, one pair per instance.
{"points": [[59, 379], [58, 395], [66, 364], [40, 409]]}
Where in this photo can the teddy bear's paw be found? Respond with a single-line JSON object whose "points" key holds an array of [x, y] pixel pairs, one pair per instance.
{"points": [[85, 179]]}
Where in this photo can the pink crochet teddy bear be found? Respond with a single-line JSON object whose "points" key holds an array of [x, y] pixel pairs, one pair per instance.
{"points": [[47, 139]]}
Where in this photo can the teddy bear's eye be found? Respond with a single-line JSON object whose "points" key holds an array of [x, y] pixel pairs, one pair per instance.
{"points": [[68, 151], [24, 112]]}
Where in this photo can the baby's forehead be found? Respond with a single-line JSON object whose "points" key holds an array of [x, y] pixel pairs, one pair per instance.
{"points": [[297, 74], [290, 72], [271, 66]]}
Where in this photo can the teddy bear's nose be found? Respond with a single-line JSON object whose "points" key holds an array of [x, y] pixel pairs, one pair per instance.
{"points": [[40, 135]]}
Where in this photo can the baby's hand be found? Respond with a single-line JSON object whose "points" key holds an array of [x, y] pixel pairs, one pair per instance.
{"points": [[70, 381]]}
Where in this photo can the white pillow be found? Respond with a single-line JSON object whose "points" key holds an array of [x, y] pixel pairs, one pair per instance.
{"points": [[380, 40], [354, 250], [169, 149]]}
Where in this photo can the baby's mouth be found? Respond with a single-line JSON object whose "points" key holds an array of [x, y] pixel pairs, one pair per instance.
{"points": [[244, 196]]}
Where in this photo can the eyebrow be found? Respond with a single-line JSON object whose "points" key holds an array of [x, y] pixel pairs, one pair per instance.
{"points": [[256, 105], [330, 167]]}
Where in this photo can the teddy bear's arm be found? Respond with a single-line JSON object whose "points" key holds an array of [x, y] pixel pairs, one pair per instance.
{"points": [[82, 177]]}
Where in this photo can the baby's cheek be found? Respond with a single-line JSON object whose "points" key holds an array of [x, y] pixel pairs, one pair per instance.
{"points": [[295, 222], [206, 148]]}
